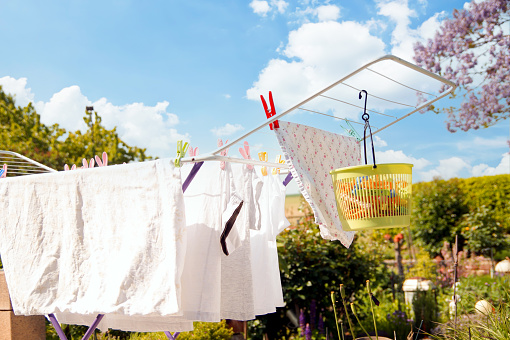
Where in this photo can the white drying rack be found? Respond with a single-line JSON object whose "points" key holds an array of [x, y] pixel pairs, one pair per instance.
{"points": [[19, 165], [448, 87]]}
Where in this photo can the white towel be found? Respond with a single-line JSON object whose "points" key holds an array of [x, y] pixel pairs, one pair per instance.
{"points": [[107, 240]]}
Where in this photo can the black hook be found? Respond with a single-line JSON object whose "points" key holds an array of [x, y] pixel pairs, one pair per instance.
{"points": [[365, 115]]}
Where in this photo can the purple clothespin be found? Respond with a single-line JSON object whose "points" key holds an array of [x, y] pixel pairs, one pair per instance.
{"points": [[287, 179]]}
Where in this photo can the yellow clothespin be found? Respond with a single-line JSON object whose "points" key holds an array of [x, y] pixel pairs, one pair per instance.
{"points": [[263, 157], [278, 160], [181, 152]]}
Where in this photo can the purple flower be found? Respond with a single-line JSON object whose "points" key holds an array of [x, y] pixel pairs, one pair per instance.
{"points": [[313, 313], [321, 324], [308, 332], [302, 322]]}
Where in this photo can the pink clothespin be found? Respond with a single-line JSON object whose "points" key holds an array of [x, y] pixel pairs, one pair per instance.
{"points": [[104, 162], [246, 154], [87, 166], [3, 172], [193, 153], [270, 113], [66, 167], [223, 153]]}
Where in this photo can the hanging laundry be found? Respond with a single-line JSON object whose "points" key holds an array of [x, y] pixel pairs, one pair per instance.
{"points": [[205, 201], [236, 276], [267, 287], [312, 154], [92, 238]]}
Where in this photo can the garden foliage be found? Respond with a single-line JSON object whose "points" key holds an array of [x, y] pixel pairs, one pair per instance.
{"points": [[312, 268], [475, 209]]}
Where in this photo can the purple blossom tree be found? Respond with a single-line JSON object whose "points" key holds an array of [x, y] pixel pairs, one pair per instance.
{"points": [[472, 49]]}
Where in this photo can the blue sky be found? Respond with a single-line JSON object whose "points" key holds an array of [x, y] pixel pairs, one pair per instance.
{"points": [[167, 70]]}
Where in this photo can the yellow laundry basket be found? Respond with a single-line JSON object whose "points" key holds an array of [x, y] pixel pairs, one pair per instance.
{"points": [[372, 198]]}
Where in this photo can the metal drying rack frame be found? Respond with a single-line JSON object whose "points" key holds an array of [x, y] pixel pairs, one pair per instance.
{"points": [[214, 155]]}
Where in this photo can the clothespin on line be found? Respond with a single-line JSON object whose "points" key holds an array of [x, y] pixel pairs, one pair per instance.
{"points": [[223, 153], [270, 113], [351, 131], [263, 158], [246, 153], [193, 152], [3, 171], [181, 152], [278, 160]]}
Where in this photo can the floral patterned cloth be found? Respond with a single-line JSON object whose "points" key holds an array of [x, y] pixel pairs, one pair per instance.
{"points": [[312, 154]]}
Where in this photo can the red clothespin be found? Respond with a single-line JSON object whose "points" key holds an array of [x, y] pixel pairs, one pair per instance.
{"points": [[271, 113]]}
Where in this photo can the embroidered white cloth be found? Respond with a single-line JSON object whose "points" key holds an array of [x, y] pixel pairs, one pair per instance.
{"points": [[312, 154], [107, 240]]}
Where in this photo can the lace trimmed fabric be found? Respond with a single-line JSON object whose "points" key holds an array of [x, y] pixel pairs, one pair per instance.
{"points": [[311, 154]]}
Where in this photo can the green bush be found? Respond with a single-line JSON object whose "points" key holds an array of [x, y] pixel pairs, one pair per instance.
{"points": [[425, 310], [314, 267], [208, 331], [482, 231], [437, 210]]}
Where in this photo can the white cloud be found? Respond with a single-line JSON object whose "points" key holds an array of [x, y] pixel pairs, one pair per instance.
{"points": [[260, 7], [393, 156], [227, 96], [379, 142], [150, 127], [66, 107], [18, 89], [227, 130], [328, 12], [448, 168], [141, 125], [403, 37], [317, 55], [280, 5], [502, 168]]}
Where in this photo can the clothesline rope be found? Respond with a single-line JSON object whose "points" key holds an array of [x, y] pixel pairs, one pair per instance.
{"points": [[381, 98], [409, 87]]}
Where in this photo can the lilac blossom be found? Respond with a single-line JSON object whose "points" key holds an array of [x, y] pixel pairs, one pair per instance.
{"points": [[308, 332], [471, 49]]}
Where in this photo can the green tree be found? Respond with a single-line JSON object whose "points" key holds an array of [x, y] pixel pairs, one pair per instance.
{"points": [[97, 139], [21, 131], [438, 207], [482, 231]]}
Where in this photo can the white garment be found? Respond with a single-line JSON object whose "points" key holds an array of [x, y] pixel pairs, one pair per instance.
{"points": [[206, 198], [106, 240], [267, 287], [236, 275], [311, 154]]}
